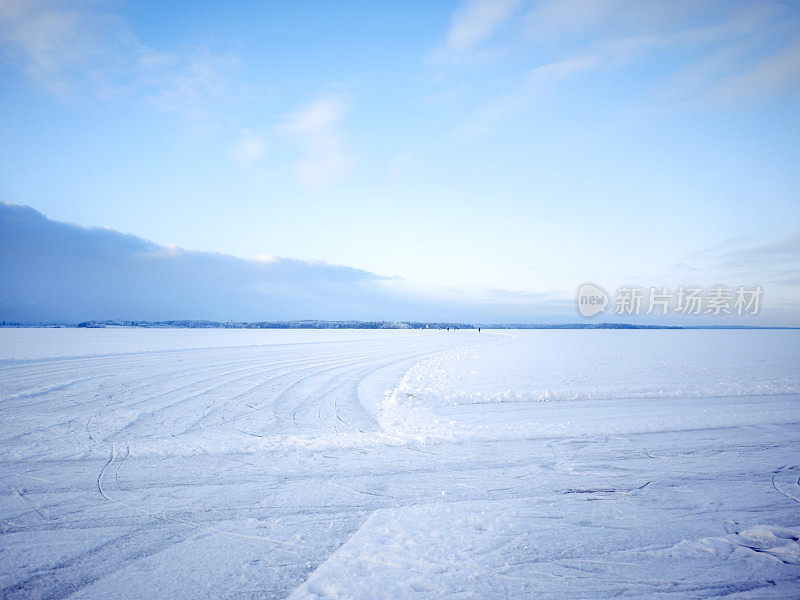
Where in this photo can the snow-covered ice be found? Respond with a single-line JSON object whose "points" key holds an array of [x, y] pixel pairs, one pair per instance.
{"points": [[399, 464]]}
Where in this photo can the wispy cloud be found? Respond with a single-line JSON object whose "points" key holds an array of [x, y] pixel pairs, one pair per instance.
{"points": [[45, 40], [249, 149], [743, 259], [325, 153], [783, 253], [400, 165], [572, 15], [74, 47], [535, 84], [519, 297], [188, 85], [719, 53], [477, 20], [775, 74]]}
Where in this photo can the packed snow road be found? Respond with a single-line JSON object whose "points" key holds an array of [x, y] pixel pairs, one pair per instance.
{"points": [[399, 464]]}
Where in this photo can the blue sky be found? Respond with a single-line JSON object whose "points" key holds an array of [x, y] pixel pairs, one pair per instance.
{"points": [[496, 153]]}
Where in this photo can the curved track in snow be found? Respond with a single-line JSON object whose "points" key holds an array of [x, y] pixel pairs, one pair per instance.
{"points": [[117, 460], [405, 465]]}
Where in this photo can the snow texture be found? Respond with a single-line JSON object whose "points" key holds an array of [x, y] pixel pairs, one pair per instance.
{"points": [[399, 464]]}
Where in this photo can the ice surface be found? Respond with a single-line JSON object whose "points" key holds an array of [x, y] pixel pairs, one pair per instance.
{"points": [[399, 464], [23, 343]]}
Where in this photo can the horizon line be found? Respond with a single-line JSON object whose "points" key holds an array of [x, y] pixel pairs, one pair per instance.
{"points": [[354, 324]]}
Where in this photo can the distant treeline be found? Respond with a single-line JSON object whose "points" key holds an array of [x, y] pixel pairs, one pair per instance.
{"points": [[306, 324], [311, 324]]}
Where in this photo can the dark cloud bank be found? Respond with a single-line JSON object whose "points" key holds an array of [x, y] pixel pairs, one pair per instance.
{"points": [[58, 272], [52, 271]]}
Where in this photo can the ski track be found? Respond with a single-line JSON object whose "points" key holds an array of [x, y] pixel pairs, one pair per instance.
{"points": [[262, 471]]}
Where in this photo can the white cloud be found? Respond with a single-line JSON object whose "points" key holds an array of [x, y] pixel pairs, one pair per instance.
{"points": [[570, 15], [477, 21], [720, 58], [400, 165], [564, 68], [535, 83], [44, 39], [325, 154], [266, 259], [72, 47], [775, 74], [187, 85], [249, 149]]}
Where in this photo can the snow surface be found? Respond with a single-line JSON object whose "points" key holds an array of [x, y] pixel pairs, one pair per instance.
{"points": [[399, 464]]}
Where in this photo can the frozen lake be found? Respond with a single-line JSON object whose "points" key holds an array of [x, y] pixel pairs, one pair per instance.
{"points": [[399, 464]]}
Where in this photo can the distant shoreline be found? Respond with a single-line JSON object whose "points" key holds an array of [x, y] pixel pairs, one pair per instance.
{"points": [[314, 324]]}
